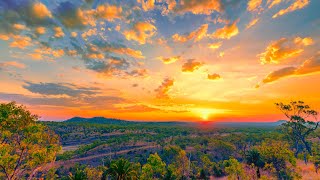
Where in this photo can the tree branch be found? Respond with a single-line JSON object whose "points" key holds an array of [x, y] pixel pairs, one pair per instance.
{"points": [[311, 129], [4, 170]]}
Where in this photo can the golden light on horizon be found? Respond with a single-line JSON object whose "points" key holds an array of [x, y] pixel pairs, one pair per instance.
{"points": [[206, 113]]}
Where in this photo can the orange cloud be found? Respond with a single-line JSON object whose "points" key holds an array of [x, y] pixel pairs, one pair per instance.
{"points": [[147, 5], [138, 73], [216, 45], [36, 56], [272, 3], [58, 53], [214, 76], [275, 75], [298, 4], [4, 37], [196, 35], [164, 88], [40, 30], [21, 42], [253, 5], [191, 65], [58, 32], [12, 64], [140, 32], [125, 51], [46, 52], [117, 28], [252, 23], [41, 11], [226, 32], [88, 33], [74, 34], [309, 66], [284, 48], [197, 7], [19, 27], [109, 12], [170, 59]]}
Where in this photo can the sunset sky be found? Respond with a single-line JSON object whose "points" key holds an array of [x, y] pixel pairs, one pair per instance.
{"points": [[187, 60]]}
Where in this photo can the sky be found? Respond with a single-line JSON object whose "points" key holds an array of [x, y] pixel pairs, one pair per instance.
{"points": [[160, 60]]}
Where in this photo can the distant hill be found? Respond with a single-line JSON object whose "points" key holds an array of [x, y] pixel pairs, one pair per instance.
{"points": [[97, 120], [249, 124], [103, 120]]}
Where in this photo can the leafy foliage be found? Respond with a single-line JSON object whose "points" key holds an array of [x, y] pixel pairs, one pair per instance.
{"points": [[122, 169], [25, 144]]}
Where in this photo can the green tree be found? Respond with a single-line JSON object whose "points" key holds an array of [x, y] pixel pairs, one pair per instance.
{"points": [[207, 166], [146, 172], [277, 155], [154, 168], [80, 174], [170, 173], [26, 145], [234, 169], [253, 157], [93, 173], [302, 121], [122, 169]]}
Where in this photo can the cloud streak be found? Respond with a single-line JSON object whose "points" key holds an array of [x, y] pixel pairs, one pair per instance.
{"points": [[191, 65], [296, 5], [163, 90], [309, 66], [284, 48], [226, 32], [196, 35]]}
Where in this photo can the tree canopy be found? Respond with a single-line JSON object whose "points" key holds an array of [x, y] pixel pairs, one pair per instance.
{"points": [[25, 143]]}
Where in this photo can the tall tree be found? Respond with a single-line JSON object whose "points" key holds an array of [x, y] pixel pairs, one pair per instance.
{"points": [[234, 169], [278, 156], [122, 169], [25, 144], [154, 168], [302, 121], [253, 157]]}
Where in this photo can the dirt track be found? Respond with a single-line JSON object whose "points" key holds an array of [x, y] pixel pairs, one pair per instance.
{"points": [[73, 161]]}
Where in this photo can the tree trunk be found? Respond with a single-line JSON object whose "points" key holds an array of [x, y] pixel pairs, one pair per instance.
{"points": [[296, 143], [306, 145], [258, 173]]}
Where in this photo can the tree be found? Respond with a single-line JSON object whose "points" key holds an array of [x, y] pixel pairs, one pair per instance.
{"points": [[299, 126], [146, 172], [253, 157], [93, 173], [170, 173], [207, 166], [221, 150], [80, 174], [25, 144], [122, 169], [154, 168], [234, 169], [278, 156], [182, 163]]}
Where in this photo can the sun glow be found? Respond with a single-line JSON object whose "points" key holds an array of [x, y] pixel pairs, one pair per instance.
{"points": [[204, 113]]}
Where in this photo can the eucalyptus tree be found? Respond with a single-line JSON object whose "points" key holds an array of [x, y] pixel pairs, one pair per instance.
{"points": [[302, 121]]}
